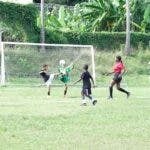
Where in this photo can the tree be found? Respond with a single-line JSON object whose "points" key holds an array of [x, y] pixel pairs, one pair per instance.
{"points": [[103, 14], [100, 15], [127, 46], [65, 21], [140, 10]]}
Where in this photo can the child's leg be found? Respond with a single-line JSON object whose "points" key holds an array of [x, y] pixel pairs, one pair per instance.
{"points": [[66, 89], [49, 90], [83, 97], [49, 82], [122, 90], [88, 94], [111, 89]]}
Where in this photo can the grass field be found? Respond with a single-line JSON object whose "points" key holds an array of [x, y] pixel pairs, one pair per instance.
{"points": [[30, 120]]}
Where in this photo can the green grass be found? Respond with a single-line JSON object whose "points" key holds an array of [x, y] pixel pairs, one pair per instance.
{"points": [[101, 80], [30, 120]]}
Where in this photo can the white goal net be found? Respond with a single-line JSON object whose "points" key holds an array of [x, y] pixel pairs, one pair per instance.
{"points": [[22, 62]]}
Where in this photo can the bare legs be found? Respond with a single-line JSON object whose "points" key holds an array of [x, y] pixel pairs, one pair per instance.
{"points": [[49, 90], [111, 89], [66, 89], [118, 88]]}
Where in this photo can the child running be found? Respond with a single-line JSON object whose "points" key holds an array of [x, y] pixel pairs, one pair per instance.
{"points": [[86, 89], [64, 74], [118, 71], [46, 77]]}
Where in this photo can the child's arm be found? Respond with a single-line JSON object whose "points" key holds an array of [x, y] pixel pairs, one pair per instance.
{"points": [[109, 73], [70, 67], [41, 71], [92, 81], [77, 81]]}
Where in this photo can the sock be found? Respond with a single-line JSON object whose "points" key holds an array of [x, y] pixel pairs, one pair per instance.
{"points": [[83, 100]]}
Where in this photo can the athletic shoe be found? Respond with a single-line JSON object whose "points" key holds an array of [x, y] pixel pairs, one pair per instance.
{"points": [[83, 104], [48, 93], [94, 102], [128, 95], [110, 98]]}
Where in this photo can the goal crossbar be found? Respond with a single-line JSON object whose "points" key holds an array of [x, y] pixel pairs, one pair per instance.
{"points": [[45, 44]]}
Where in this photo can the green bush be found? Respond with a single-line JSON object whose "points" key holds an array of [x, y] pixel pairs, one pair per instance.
{"points": [[101, 40], [62, 2], [21, 21]]}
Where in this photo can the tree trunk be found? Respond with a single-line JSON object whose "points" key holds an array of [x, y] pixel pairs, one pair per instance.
{"points": [[42, 26], [127, 45]]}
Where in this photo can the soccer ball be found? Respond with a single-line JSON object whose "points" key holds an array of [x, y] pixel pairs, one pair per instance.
{"points": [[62, 62]]}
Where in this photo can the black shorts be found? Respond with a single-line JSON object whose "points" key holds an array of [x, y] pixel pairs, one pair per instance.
{"points": [[116, 78], [86, 91]]}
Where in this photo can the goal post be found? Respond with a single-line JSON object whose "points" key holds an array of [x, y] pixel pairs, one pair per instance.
{"points": [[21, 62], [2, 66], [2, 77]]}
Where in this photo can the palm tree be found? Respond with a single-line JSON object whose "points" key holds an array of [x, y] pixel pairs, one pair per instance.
{"points": [[141, 15], [42, 22], [102, 14], [146, 20], [127, 46], [66, 20]]}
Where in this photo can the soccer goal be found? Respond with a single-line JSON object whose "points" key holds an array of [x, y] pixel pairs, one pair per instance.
{"points": [[21, 62]]}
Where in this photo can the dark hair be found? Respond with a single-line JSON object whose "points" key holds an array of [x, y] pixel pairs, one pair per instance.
{"points": [[86, 67], [119, 58]]}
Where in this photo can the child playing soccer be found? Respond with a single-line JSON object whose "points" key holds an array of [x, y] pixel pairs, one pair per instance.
{"points": [[86, 89], [118, 71], [64, 74], [46, 77]]}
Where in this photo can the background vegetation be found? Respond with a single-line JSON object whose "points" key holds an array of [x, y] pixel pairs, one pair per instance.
{"points": [[62, 2], [100, 40], [95, 22], [19, 22]]}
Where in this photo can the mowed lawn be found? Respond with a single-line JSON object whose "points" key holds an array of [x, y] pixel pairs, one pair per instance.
{"points": [[31, 120]]}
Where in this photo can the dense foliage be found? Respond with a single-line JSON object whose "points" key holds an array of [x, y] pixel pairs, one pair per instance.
{"points": [[62, 2], [101, 40], [85, 23], [101, 15], [19, 21]]}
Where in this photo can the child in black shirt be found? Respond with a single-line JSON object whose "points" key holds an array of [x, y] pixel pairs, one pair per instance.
{"points": [[86, 89]]}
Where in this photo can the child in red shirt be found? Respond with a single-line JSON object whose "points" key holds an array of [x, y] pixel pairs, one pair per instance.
{"points": [[118, 71]]}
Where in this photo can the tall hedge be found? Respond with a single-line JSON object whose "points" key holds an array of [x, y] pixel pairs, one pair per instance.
{"points": [[21, 21], [101, 40], [61, 2]]}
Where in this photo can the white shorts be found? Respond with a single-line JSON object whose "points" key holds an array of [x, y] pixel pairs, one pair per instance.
{"points": [[49, 81]]}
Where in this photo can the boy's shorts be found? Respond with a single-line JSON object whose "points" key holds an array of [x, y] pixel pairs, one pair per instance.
{"points": [[49, 81]]}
